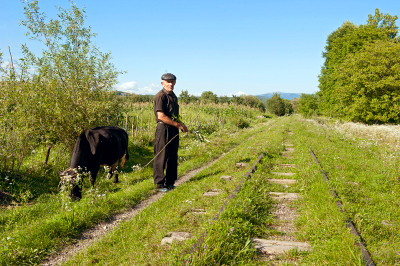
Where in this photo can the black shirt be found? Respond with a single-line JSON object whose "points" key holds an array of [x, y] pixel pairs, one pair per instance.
{"points": [[166, 103]]}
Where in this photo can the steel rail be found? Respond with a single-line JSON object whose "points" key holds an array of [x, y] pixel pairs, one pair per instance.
{"points": [[366, 256], [200, 241]]}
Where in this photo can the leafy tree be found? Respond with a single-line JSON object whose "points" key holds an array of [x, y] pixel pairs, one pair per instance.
{"points": [[308, 104], [184, 97], [345, 42], [209, 97], [295, 104], [276, 105], [288, 106], [368, 84], [223, 99], [56, 95], [74, 79], [385, 22]]}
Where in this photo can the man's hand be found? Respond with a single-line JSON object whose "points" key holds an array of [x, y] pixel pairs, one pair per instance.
{"points": [[161, 116], [183, 128]]}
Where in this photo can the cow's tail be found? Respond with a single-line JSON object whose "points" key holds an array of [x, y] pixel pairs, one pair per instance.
{"points": [[125, 158]]}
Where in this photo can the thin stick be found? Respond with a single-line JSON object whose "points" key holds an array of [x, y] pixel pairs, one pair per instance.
{"points": [[12, 63]]}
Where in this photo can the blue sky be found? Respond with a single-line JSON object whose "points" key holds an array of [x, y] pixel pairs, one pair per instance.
{"points": [[227, 47]]}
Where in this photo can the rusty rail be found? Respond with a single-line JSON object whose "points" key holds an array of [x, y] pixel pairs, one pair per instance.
{"points": [[365, 254], [200, 241]]}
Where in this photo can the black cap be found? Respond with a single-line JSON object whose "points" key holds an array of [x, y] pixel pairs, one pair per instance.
{"points": [[168, 76]]}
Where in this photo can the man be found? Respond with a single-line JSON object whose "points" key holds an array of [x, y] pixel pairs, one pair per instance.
{"points": [[166, 110]]}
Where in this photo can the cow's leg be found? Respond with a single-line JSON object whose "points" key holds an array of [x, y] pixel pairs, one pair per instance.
{"points": [[76, 193], [93, 174], [110, 173], [114, 170], [116, 177]]}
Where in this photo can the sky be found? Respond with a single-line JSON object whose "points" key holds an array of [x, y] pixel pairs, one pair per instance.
{"points": [[227, 47]]}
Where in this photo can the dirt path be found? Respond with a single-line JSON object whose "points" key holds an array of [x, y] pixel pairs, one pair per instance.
{"points": [[97, 232]]}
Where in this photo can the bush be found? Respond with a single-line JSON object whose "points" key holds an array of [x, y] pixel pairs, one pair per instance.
{"points": [[308, 104], [278, 106], [239, 121]]}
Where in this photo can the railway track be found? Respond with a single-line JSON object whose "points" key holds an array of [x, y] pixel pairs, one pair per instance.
{"points": [[367, 260]]}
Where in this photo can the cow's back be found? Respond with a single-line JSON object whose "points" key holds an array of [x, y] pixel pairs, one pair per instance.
{"points": [[100, 145], [108, 144]]}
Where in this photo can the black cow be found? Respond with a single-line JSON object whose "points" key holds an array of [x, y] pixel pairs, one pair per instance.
{"points": [[100, 146]]}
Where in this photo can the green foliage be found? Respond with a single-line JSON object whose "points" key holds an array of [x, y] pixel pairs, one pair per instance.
{"points": [[209, 97], [185, 97], [239, 121], [295, 104], [385, 22], [223, 99], [58, 94], [369, 84], [279, 106], [248, 100], [137, 98], [342, 45], [308, 104]]}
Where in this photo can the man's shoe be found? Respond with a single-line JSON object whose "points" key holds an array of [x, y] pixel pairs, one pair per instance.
{"points": [[164, 189], [171, 187]]}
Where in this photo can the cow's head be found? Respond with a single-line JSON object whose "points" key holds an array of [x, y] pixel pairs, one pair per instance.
{"points": [[70, 182]]}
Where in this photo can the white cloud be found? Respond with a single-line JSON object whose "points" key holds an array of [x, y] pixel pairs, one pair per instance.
{"points": [[126, 86], [236, 94], [5, 64], [240, 93], [132, 87]]}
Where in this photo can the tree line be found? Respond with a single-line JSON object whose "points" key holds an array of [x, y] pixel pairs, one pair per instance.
{"points": [[206, 97], [360, 78]]}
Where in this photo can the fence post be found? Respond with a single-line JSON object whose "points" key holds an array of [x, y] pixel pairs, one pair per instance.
{"points": [[133, 128], [141, 122], [137, 126], [126, 122], [149, 127]]}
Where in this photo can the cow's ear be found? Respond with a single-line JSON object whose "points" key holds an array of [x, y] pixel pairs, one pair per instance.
{"points": [[93, 140]]}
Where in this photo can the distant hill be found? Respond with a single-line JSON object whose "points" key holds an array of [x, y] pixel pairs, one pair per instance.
{"points": [[287, 96]]}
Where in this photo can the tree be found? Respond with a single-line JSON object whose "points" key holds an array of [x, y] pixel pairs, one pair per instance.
{"points": [[72, 77], [276, 105], [345, 42], [223, 99], [184, 97], [308, 104], [295, 104], [385, 22], [209, 97], [56, 95], [368, 84]]}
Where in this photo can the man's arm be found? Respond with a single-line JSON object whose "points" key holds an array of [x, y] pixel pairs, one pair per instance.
{"points": [[166, 120]]}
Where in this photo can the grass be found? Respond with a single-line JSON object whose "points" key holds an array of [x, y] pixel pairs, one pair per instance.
{"points": [[28, 233], [138, 241], [363, 173], [365, 178]]}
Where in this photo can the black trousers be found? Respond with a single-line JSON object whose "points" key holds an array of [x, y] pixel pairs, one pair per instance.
{"points": [[168, 158]]}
